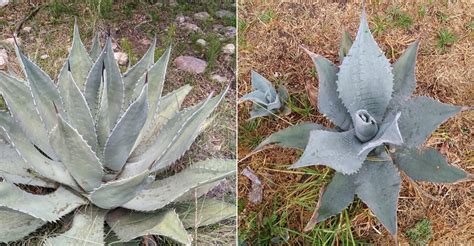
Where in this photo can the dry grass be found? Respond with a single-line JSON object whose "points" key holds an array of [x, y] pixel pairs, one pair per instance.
{"points": [[270, 35]]}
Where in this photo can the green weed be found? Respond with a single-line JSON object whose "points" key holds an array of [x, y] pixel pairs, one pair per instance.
{"points": [[58, 8], [399, 18], [420, 233], [213, 50], [445, 39], [267, 16], [127, 48], [300, 105], [380, 24]]}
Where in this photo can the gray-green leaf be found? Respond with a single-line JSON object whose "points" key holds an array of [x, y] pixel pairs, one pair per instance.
{"points": [[163, 192], [128, 225], [404, 81], [345, 46], [427, 165], [96, 49], [206, 211], [329, 102], [79, 59], [365, 80], [16, 225]]}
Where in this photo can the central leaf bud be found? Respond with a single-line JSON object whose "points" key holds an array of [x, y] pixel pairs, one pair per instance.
{"points": [[365, 125]]}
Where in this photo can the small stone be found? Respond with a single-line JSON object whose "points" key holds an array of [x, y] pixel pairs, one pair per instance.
{"points": [[229, 49], [230, 31], [4, 3], [145, 41], [11, 41], [3, 58], [218, 78], [121, 57], [201, 42], [202, 16], [224, 13], [27, 29], [217, 27], [190, 64], [44, 57], [114, 46], [180, 19], [190, 27]]}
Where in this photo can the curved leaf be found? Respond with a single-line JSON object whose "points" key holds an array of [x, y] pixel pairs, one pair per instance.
{"points": [[77, 155], [365, 80], [404, 81], [50, 207], [15, 170], [44, 92], [128, 225], [336, 197], [420, 116], [427, 165], [377, 185], [329, 102], [345, 46], [18, 98], [16, 225], [94, 84], [46, 167], [206, 211], [96, 49], [134, 74], [163, 192], [116, 193], [80, 62], [76, 107], [112, 96], [87, 229], [125, 134], [292, 137]]}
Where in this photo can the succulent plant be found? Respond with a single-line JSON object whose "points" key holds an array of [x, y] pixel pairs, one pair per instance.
{"points": [[101, 142], [379, 129], [266, 100]]}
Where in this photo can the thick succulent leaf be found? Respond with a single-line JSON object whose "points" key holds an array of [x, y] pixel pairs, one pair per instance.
{"points": [[199, 191], [76, 108], [50, 207], [96, 49], [52, 170], [345, 46], [206, 212], [128, 225], [292, 137], [16, 225], [404, 81], [168, 107], [260, 83], [175, 138], [336, 197], [365, 125], [420, 116], [329, 102], [342, 151], [80, 62], [94, 84], [377, 185], [87, 229], [112, 96], [427, 165], [116, 193], [18, 97], [165, 191], [260, 111], [77, 155], [134, 74], [257, 97], [365, 80], [125, 134], [14, 169], [44, 92]]}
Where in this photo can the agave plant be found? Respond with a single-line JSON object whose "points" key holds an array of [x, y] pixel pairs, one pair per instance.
{"points": [[102, 141], [379, 129], [266, 100]]}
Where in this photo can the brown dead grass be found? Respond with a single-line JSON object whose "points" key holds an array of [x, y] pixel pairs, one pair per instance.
{"points": [[272, 49]]}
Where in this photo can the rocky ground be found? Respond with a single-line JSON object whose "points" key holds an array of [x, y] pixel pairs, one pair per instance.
{"points": [[203, 39]]}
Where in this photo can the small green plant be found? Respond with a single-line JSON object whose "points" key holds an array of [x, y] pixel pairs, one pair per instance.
{"points": [[399, 18], [128, 9], [127, 47], [58, 8], [103, 8], [422, 11], [380, 126], [213, 50], [267, 16], [445, 39], [380, 24], [266, 100], [442, 16], [100, 142], [420, 234]]}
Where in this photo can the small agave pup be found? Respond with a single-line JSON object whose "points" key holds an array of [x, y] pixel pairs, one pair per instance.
{"points": [[266, 100], [99, 139], [380, 126]]}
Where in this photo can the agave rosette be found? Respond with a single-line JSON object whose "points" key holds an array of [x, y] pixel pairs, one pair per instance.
{"points": [[101, 140], [380, 127]]}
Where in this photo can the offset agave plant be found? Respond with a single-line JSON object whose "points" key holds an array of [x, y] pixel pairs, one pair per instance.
{"points": [[102, 140], [380, 127], [266, 100]]}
